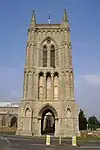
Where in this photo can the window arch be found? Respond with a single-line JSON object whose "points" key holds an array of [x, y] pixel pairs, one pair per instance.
{"points": [[27, 112], [68, 112], [44, 56], [52, 56]]}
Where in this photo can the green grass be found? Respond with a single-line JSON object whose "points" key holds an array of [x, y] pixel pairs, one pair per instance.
{"points": [[88, 138]]}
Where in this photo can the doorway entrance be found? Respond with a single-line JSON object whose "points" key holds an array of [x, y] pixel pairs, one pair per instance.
{"points": [[48, 122]]}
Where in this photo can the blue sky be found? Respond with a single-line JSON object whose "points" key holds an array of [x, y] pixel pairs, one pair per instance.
{"points": [[84, 18]]}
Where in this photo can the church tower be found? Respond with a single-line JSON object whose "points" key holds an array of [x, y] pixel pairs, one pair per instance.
{"points": [[48, 105]]}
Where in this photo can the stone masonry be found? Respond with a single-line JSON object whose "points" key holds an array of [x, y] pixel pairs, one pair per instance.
{"points": [[48, 81]]}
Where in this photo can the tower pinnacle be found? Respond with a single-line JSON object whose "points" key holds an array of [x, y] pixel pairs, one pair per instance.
{"points": [[65, 17], [33, 20], [49, 19]]}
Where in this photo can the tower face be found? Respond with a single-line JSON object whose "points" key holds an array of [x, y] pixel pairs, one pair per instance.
{"points": [[48, 104]]}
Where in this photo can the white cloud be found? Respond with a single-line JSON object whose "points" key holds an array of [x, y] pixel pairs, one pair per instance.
{"points": [[87, 93], [15, 94], [93, 79]]}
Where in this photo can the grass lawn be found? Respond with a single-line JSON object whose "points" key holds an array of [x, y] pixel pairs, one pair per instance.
{"points": [[89, 138]]}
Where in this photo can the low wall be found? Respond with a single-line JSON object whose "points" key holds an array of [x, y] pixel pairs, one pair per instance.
{"points": [[8, 130], [90, 133]]}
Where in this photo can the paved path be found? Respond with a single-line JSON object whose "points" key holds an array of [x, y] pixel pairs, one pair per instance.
{"points": [[22, 143]]}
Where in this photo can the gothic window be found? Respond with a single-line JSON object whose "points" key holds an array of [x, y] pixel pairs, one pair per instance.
{"points": [[52, 56], [68, 112], [27, 113], [44, 56]]}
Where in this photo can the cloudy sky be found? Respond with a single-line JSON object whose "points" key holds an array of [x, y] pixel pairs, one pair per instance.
{"points": [[84, 17]]}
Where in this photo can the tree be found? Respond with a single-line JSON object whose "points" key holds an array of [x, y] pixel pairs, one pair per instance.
{"points": [[93, 123], [82, 121]]}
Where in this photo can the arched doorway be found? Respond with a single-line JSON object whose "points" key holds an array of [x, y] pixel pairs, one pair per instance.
{"points": [[48, 122], [13, 122]]}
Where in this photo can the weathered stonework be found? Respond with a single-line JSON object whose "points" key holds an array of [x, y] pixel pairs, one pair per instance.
{"points": [[48, 81]]}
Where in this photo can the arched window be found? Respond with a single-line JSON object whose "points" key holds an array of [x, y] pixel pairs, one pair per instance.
{"points": [[68, 112], [27, 113], [52, 56], [44, 56]]}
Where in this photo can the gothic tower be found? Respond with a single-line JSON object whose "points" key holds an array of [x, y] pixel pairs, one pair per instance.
{"points": [[48, 105]]}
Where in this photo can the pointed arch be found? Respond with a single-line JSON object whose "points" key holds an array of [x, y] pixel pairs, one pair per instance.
{"points": [[51, 39], [13, 121], [47, 107], [27, 112], [68, 112]]}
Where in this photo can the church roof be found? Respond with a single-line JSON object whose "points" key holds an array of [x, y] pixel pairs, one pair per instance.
{"points": [[9, 104]]}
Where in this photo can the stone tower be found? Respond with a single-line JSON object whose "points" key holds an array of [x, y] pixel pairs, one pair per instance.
{"points": [[48, 105]]}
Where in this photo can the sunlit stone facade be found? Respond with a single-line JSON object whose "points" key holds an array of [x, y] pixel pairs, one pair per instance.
{"points": [[48, 105]]}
